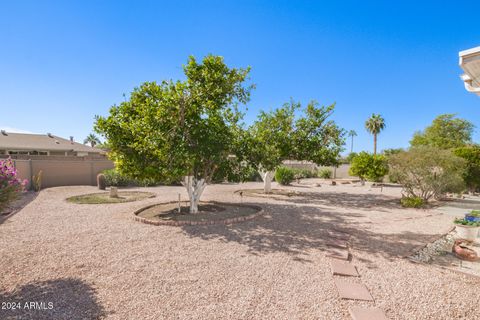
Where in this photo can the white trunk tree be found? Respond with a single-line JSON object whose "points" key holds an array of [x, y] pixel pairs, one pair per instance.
{"points": [[195, 189], [267, 177]]}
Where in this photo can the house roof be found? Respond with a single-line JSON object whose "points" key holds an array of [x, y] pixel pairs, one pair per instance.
{"points": [[41, 142], [470, 63]]}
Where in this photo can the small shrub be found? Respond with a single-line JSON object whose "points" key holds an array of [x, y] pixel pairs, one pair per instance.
{"points": [[284, 175], [412, 202], [474, 213], [325, 173], [113, 178], [101, 181], [368, 166], [393, 177], [303, 173], [10, 184], [116, 179], [465, 222], [37, 181]]}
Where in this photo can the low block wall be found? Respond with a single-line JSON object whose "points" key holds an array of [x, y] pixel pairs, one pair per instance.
{"points": [[62, 172], [341, 172]]}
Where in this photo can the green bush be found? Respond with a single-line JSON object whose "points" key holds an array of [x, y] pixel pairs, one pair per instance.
{"points": [[113, 178], [303, 173], [368, 166], [428, 172], [464, 222], [325, 173], [393, 177], [116, 179], [412, 202], [474, 213], [284, 175], [471, 175], [350, 157]]}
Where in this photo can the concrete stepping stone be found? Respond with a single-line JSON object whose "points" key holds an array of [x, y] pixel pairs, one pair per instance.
{"points": [[338, 235], [359, 313], [337, 253], [337, 243], [341, 268], [352, 291]]}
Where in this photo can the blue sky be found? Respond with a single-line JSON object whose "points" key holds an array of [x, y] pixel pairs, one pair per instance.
{"points": [[62, 62]]}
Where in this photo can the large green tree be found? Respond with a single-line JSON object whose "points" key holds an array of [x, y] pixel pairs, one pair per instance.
{"points": [[446, 132], [374, 125], [293, 133], [176, 129]]}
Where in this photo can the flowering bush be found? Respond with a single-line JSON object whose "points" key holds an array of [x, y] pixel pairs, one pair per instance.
{"points": [[10, 185]]}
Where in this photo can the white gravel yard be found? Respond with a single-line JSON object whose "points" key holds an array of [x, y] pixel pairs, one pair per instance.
{"points": [[95, 261]]}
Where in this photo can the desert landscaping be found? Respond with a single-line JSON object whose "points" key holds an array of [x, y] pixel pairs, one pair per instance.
{"points": [[239, 160], [96, 261]]}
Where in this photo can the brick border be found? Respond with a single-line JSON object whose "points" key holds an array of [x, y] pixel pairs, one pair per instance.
{"points": [[197, 223]]}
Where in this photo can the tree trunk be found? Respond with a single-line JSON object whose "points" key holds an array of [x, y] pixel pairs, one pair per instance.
{"points": [[351, 147], [374, 144], [267, 177], [195, 189]]}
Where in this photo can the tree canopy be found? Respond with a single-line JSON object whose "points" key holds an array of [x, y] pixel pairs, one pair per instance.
{"points": [[446, 132], [295, 133], [173, 129]]}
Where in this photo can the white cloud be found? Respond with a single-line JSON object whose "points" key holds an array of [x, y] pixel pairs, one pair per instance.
{"points": [[14, 130]]}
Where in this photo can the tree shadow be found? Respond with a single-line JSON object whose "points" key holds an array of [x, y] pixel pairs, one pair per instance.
{"points": [[296, 230], [66, 298], [375, 201]]}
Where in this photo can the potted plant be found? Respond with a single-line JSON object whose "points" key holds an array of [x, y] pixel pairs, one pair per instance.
{"points": [[473, 216], [466, 229]]}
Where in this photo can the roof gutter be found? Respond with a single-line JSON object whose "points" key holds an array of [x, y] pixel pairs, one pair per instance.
{"points": [[470, 81]]}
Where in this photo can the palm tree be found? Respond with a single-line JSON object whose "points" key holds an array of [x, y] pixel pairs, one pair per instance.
{"points": [[92, 139], [374, 125], [352, 133]]}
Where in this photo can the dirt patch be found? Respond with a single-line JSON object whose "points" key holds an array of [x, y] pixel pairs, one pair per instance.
{"points": [[208, 212], [104, 197]]}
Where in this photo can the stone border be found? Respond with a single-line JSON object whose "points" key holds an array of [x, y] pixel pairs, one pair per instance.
{"points": [[197, 223], [418, 248], [422, 246], [151, 195]]}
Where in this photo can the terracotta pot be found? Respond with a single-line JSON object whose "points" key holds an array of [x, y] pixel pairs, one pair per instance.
{"points": [[463, 252]]}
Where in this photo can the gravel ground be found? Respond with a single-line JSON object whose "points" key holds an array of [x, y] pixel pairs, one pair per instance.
{"points": [[94, 261]]}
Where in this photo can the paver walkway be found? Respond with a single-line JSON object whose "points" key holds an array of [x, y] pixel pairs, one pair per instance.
{"points": [[338, 249]]}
